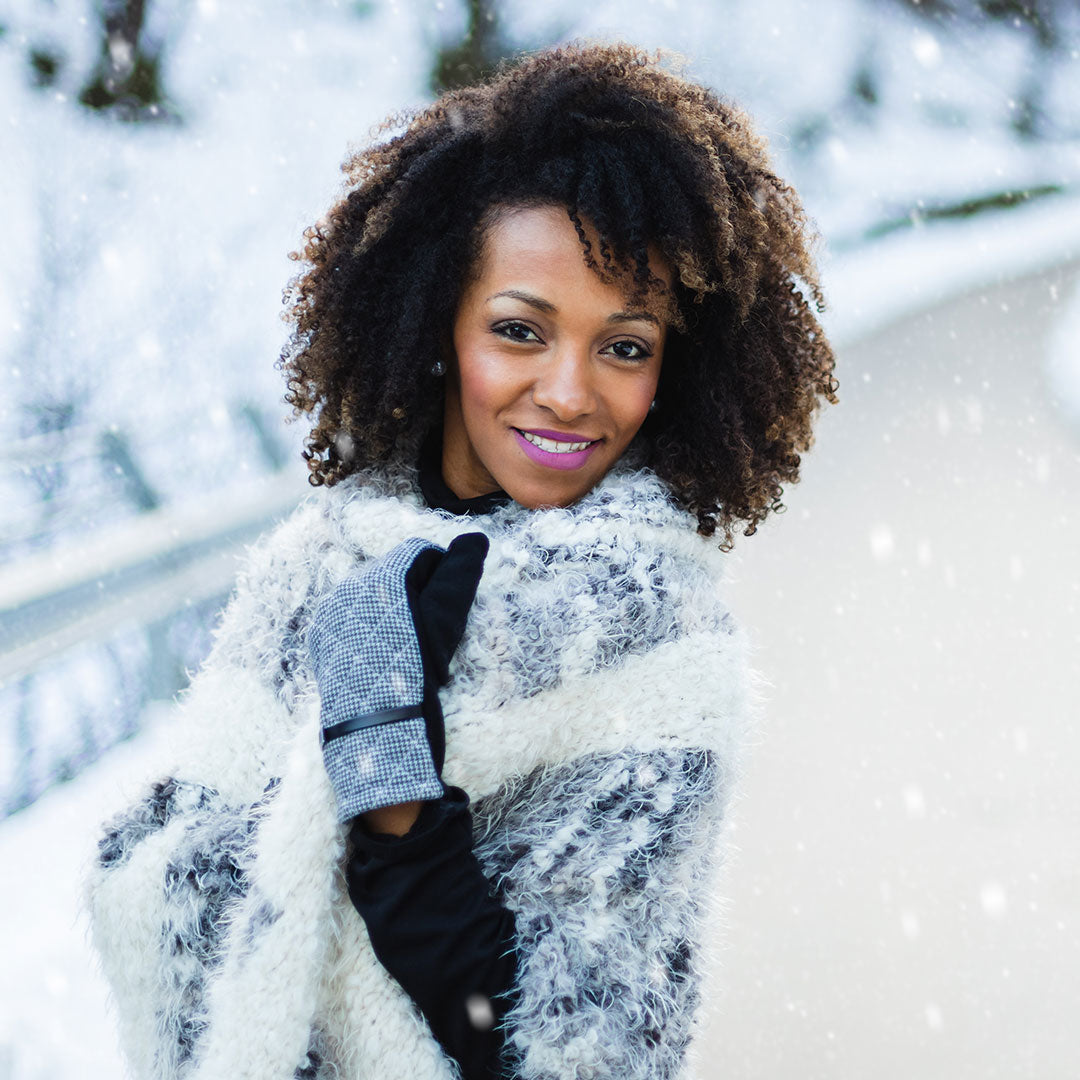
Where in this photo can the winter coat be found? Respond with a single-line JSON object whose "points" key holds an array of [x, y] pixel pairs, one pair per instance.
{"points": [[597, 713]]}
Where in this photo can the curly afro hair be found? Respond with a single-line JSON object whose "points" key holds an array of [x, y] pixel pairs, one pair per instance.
{"points": [[644, 156]]}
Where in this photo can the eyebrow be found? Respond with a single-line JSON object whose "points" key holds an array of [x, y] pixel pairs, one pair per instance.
{"points": [[549, 308]]}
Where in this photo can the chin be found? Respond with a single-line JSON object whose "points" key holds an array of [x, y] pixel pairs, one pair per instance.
{"points": [[536, 496]]}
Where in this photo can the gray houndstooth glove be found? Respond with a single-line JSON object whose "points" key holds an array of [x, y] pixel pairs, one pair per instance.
{"points": [[380, 645]]}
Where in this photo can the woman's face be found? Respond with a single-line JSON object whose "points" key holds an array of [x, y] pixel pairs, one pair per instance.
{"points": [[551, 374]]}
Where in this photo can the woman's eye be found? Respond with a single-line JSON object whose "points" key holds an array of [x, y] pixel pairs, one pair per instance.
{"points": [[516, 331], [630, 350]]}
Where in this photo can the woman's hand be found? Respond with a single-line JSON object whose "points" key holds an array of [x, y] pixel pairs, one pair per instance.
{"points": [[395, 820], [381, 644]]}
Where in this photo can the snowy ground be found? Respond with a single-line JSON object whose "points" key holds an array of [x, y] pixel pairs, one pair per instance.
{"points": [[54, 1019], [905, 902]]}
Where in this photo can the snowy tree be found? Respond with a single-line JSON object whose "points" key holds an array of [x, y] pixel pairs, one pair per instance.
{"points": [[1047, 26]]}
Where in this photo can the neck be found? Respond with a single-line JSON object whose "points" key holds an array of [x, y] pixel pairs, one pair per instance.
{"points": [[442, 495]]}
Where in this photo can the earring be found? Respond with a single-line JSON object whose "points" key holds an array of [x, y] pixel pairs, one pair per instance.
{"points": [[438, 368], [652, 405]]}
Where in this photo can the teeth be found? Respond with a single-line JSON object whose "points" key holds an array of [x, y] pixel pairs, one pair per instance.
{"points": [[553, 447]]}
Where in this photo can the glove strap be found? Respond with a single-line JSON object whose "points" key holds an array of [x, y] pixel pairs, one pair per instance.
{"points": [[358, 723]]}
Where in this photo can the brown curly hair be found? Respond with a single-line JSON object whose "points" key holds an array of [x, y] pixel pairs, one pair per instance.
{"points": [[646, 157]]}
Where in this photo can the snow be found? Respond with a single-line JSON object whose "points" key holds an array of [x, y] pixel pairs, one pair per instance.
{"points": [[54, 1017], [162, 250], [906, 272], [1062, 355], [921, 732]]}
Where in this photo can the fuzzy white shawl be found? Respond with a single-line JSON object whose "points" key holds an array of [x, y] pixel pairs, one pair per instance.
{"points": [[597, 715]]}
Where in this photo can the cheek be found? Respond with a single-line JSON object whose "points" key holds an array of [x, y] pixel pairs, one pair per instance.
{"points": [[631, 404], [486, 384], [640, 402]]}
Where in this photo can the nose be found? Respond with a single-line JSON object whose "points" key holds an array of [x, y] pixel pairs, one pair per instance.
{"points": [[565, 385]]}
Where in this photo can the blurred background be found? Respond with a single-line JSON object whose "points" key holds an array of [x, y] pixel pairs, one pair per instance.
{"points": [[903, 897]]}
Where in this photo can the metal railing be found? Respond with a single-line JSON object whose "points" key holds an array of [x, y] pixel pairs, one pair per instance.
{"points": [[92, 629]]}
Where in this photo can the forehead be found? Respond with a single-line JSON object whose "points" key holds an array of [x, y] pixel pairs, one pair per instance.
{"points": [[543, 241]]}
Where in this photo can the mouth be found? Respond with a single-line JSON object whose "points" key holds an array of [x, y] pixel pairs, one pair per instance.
{"points": [[556, 450], [556, 442]]}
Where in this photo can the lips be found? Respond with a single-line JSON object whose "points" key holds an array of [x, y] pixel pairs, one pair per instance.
{"points": [[569, 460]]}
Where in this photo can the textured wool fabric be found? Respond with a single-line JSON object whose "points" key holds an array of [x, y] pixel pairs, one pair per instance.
{"points": [[598, 712], [366, 658]]}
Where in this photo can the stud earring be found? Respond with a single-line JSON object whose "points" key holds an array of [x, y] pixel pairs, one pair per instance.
{"points": [[652, 405], [438, 368]]}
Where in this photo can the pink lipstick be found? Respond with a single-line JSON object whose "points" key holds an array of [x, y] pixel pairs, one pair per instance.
{"points": [[555, 461]]}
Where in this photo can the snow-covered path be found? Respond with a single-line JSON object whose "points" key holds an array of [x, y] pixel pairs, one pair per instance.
{"points": [[905, 902]]}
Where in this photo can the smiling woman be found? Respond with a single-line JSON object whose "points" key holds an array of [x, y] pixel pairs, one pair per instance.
{"points": [[553, 338], [674, 202], [550, 376]]}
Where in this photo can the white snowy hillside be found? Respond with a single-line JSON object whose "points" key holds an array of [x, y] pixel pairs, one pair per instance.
{"points": [[905, 898]]}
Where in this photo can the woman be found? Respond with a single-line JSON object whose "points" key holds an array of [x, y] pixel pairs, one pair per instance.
{"points": [[553, 338]]}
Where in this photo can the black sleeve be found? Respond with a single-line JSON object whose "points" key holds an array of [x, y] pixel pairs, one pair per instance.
{"points": [[438, 928]]}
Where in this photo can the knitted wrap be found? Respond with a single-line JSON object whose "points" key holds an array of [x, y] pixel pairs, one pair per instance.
{"points": [[597, 713]]}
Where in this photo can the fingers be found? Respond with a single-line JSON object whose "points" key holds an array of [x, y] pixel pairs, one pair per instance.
{"points": [[466, 553], [444, 602], [423, 566]]}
